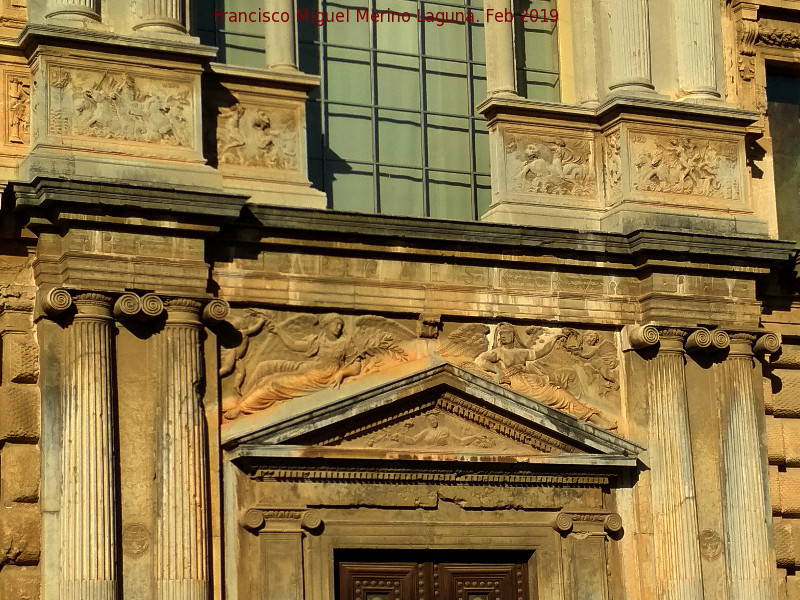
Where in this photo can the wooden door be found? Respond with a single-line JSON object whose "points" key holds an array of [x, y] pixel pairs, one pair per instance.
{"points": [[432, 580]]}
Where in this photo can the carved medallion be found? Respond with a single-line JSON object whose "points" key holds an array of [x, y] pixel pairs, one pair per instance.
{"points": [[557, 166], [135, 538], [710, 543], [115, 105]]}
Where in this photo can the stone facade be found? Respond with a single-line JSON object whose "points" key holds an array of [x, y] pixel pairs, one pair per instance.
{"points": [[213, 387]]}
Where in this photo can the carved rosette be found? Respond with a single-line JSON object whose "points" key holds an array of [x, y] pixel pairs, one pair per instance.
{"points": [[745, 514], [89, 551], [678, 573], [181, 548]]}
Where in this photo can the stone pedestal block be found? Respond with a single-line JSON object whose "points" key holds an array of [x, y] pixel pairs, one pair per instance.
{"points": [[20, 583], [20, 535]]}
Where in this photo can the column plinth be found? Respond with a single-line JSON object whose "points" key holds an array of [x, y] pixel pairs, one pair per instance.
{"points": [[88, 497]]}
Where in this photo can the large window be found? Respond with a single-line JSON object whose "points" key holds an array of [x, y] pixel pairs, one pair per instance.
{"points": [[783, 93], [393, 127]]}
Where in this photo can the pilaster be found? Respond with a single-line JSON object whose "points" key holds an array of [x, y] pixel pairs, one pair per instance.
{"points": [[88, 497], [749, 560]]}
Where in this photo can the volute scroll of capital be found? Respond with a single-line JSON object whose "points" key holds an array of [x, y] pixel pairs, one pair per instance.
{"points": [[550, 164]]}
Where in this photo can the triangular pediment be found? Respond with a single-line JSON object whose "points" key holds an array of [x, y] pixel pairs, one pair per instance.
{"points": [[436, 412]]}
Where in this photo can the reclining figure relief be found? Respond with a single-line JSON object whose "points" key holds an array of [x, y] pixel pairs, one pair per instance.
{"points": [[306, 353]]}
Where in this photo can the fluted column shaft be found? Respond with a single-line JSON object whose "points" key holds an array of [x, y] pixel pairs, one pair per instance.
{"points": [[73, 8], [163, 14], [675, 534], [181, 537], [745, 514], [500, 72], [88, 498], [694, 28], [630, 46], [280, 37]]}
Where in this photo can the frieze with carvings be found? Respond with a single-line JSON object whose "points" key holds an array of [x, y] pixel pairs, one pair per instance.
{"points": [[274, 357], [566, 369], [18, 94], [782, 38], [257, 137], [558, 166], [685, 165], [118, 106]]}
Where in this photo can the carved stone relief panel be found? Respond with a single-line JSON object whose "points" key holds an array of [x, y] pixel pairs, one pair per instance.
{"points": [[550, 164], [686, 165], [612, 165], [266, 137], [120, 106], [779, 34], [567, 369], [18, 104], [270, 357]]}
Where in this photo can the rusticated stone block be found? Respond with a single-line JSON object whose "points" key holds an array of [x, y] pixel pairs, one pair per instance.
{"points": [[20, 583], [793, 587], [786, 487], [20, 358], [19, 407], [20, 535], [783, 441], [19, 473], [786, 399], [787, 542]]}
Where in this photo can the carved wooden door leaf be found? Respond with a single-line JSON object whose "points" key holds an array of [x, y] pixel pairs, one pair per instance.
{"points": [[431, 580]]}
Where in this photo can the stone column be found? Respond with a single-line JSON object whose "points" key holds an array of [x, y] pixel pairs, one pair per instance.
{"points": [[73, 9], [181, 555], [676, 552], [500, 70], [280, 43], [88, 496], [748, 558], [630, 46], [163, 15], [694, 31]]}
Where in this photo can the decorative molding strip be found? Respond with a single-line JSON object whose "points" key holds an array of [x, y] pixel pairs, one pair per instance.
{"points": [[782, 38]]}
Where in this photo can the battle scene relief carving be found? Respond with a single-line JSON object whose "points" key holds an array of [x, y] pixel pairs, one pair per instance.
{"points": [[256, 137], [115, 105], [565, 369], [274, 357], [560, 166], [684, 165]]}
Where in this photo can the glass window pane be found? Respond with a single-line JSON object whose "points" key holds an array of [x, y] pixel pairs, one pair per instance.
{"points": [[539, 86], [478, 84], [399, 138], [401, 192], [352, 31], [398, 81], [450, 196], [314, 129], [447, 40], [446, 84], [476, 36], [481, 148], [448, 143], [349, 133], [484, 194], [394, 34], [348, 76], [350, 186]]}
